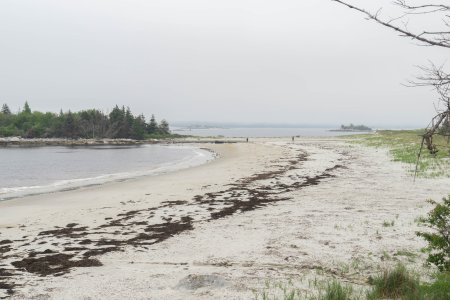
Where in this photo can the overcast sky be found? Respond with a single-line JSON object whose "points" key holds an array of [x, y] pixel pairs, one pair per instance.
{"points": [[298, 61]]}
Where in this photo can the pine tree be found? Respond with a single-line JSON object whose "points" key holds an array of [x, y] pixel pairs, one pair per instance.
{"points": [[26, 108], [164, 127], [5, 109], [120, 123], [69, 125], [152, 126], [128, 125], [138, 128], [116, 118]]}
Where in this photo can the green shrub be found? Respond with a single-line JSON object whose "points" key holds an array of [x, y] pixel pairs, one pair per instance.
{"points": [[438, 239], [439, 289], [395, 284]]}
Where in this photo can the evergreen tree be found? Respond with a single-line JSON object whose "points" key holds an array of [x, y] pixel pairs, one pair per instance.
{"points": [[120, 123], [116, 118], [128, 124], [152, 126], [164, 127], [26, 108], [69, 125], [5, 109], [138, 128]]}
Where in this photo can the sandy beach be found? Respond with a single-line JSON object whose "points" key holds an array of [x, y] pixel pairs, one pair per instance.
{"points": [[268, 210]]}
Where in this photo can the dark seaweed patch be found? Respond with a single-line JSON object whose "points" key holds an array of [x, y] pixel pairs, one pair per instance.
{"points": [[71, 232], [56, 264]]}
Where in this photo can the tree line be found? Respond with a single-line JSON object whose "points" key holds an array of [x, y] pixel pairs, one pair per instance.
{"points": [[92, 123], [355, 127]]}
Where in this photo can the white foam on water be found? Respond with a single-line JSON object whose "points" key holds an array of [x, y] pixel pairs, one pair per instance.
{"points": [[199, 157]]}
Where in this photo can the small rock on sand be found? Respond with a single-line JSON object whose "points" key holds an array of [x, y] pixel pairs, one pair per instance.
{"points": [[195, 281]]}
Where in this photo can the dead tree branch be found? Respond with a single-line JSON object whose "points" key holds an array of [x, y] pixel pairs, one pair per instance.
{"points": [[440, 38]]}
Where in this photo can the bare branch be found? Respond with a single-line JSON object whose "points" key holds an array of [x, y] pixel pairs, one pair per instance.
{"points": [[424, 37], [428, 8]]}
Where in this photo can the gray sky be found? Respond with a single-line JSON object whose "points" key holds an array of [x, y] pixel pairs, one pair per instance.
{"points": [[298, 61]]}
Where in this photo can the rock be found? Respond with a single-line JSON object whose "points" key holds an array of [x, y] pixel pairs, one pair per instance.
{"points": [[195, 281]]}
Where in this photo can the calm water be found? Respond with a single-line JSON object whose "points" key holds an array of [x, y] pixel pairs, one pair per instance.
{"points": [[25, 171], [260, 132]]}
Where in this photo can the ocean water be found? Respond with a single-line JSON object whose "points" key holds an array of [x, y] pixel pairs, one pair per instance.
{"points": [[260, 132], [35, 170]]}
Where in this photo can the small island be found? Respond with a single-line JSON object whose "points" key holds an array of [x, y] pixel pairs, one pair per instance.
{"points": [[353, 128]]}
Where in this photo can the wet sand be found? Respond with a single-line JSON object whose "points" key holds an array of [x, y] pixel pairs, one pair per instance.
{"points": [[264, 210]]}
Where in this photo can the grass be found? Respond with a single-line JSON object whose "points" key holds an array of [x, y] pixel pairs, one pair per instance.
{"points": [[279, 291], [161, 136], [397, 283], [386, 255], [322, 290], [404, 146], [336, 291], [406, 253], [439, 289], [388, 224], [400, 283]]}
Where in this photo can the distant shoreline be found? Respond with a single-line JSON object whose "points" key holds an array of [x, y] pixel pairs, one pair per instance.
{"points": [[16, 141], [44, 142], [350, 130]]}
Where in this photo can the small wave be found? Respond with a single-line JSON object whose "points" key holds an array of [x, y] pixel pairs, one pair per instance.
{"points": [[199, 157]]}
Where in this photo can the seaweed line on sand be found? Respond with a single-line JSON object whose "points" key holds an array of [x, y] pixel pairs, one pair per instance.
{"points": [[75, 246]]}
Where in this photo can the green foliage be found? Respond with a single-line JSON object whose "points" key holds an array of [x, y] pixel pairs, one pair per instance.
{"points": [[404, 146], [152, 127], [402, 284], [120, 123], [26, 108], [336, 291], [5, 109], [439, 289], [398, 283], [438, 220], [388, 224], [164, 127], [322, 290], [279, 291]]}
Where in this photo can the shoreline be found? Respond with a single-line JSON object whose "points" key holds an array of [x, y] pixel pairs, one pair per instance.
{"points": [[265, 210], [43, 142], [69, 184], [39, 142]]}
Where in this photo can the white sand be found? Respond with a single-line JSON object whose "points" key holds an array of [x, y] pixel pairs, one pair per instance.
{"points": [[330, 230]]}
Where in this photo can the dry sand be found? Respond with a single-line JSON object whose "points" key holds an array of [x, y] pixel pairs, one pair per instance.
{"points": [[265, 210]]}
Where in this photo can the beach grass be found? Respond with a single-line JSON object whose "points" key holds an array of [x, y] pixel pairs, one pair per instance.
{"points": [[404, 147], [398, 283], [319, 289], [393, 283], [337, 291]]}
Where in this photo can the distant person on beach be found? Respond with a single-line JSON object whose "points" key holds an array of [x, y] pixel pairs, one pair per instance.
{"points": [[292, 138], [247, 140]]}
